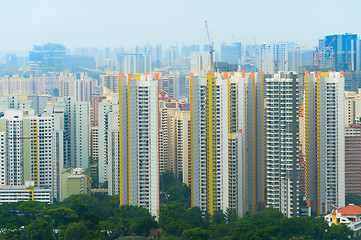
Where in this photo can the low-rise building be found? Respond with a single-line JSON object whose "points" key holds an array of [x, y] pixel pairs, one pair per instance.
{"points": [[73, 181], [350, 215], [27, 192]]}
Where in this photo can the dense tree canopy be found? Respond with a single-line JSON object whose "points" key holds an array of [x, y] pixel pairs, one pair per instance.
{"points": [[100, 217]]}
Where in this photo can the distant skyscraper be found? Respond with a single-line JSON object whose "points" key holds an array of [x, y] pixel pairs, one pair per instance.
{"points": [[294, 58], [271, 57], [340, 52], [325, 140], [134, 63], [282, 143], [200, 62], [49, 57], [138, 136], [187, 50], [231, 53]]}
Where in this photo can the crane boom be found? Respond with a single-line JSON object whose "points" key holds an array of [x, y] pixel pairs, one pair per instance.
{"points": [[211, 48]]}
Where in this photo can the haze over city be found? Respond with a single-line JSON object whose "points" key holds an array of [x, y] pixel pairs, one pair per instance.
{"points": [[128, 23], [179, 120]]}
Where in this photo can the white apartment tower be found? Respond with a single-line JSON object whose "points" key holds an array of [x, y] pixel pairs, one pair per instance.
{"points": [[138, 135], [246, 142], [26, 149], [325, 140], [209, 142], [104, 108], [282, 142]]}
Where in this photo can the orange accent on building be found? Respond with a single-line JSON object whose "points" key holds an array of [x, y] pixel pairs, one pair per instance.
{"points": [[243, 73], [253, 74], [211, 72], [129, 76], [262, 73], [156, 75], [306, 73], [231, 73], [240, 130], [225, 75], [341, 72]]}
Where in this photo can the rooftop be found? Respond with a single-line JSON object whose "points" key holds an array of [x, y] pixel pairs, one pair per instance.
{"points": [[350, 210]]}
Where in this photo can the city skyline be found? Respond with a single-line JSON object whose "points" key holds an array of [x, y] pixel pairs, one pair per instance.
{"points": [[105, 24]]}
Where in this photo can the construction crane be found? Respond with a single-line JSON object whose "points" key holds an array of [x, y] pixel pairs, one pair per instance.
{"points": [[211, 47]]}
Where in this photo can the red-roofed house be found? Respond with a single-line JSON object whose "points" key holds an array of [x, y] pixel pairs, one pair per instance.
{"points": [[350, 215]]}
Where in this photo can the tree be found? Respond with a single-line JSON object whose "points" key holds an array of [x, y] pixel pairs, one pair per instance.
{"points": [[339, 232], [137, 220], [196, 234], [39, 230], [59, 217], [90, 218], [167, 180], [31, 208], [77, 231]]}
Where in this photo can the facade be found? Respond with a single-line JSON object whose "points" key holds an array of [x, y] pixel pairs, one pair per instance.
{"points": [[138, 137], [324, 145], [353, 159], [352, 107], [272, 57], [282, 142]]}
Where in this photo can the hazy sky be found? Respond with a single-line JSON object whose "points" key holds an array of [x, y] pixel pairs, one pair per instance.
{"points": [[116, 23]]}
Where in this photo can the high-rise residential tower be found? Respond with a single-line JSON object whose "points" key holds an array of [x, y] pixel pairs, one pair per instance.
{"points": [[138, 138], [282, 142], [227, 160], [325, 140]]}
